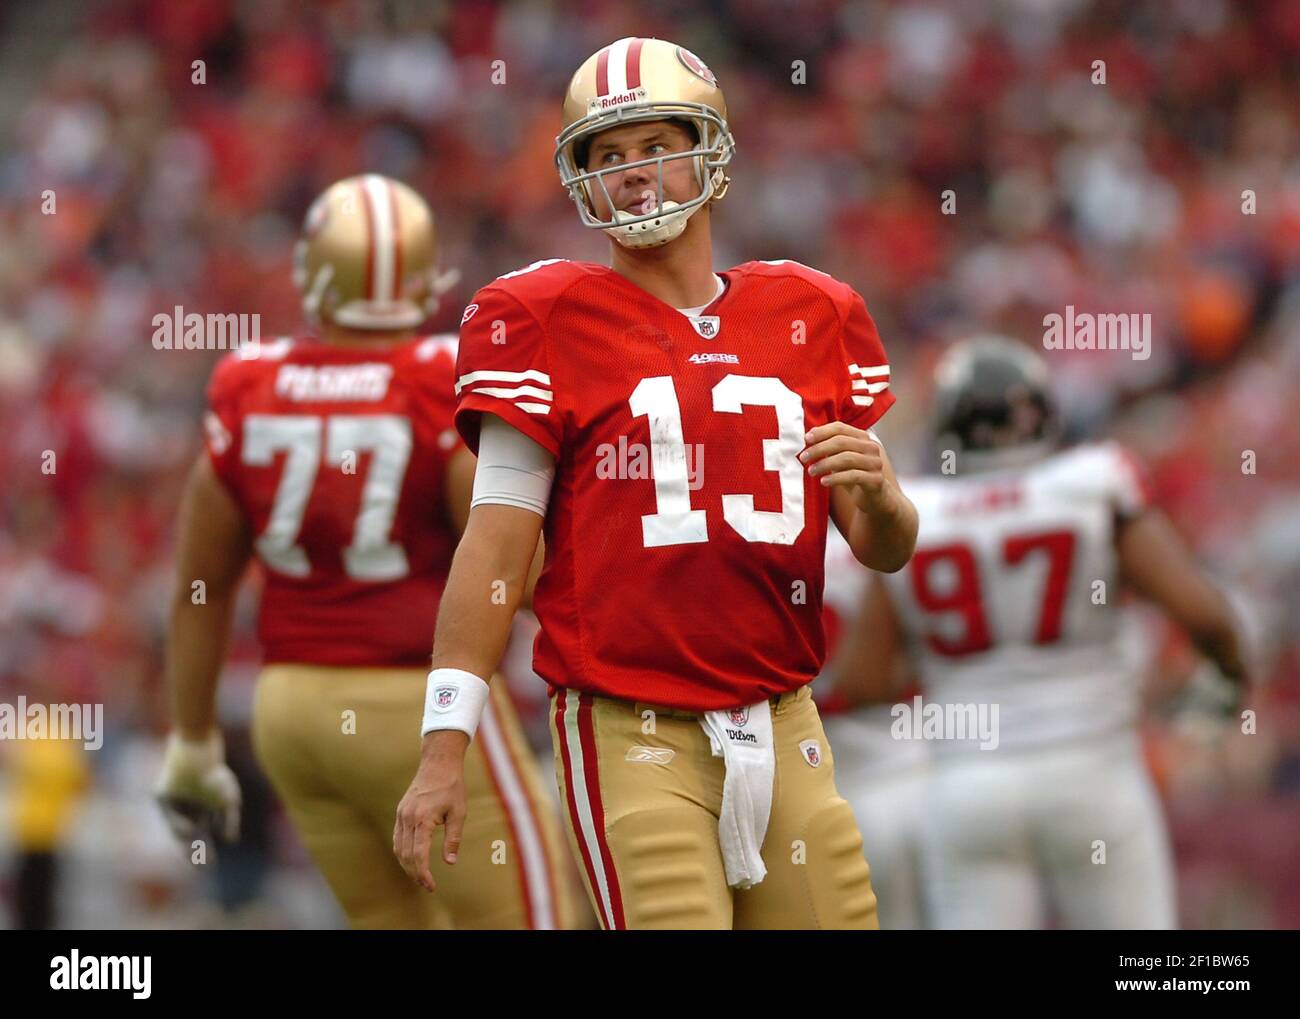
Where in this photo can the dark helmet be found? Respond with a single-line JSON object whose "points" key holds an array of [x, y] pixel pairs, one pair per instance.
{"points": [[992, 401]]}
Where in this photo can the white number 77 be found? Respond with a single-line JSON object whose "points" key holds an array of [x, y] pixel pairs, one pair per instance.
{"points": [[370, 556]]}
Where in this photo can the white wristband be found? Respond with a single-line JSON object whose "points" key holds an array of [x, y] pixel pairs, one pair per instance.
{"points": [[453, 699]]}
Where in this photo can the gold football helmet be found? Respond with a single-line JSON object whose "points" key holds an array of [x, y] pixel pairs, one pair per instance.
{"points": [[367, 257], [636, 80]]}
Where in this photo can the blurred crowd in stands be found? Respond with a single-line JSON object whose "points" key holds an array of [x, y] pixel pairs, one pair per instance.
{"points": [[155, 154]]}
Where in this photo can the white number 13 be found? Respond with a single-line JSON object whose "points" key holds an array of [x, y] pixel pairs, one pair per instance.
{"points": [[676, 523]]}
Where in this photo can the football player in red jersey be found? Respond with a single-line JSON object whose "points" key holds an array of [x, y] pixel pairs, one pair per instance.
{"points": [[684, 436], [333, 461]]}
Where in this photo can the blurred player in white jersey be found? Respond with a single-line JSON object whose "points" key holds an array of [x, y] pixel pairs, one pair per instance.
{"points": [[884, 779], [1009, 613]]}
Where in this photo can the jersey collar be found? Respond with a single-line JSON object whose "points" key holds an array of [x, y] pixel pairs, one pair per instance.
{"points": [[724, 287], [702, 308]]}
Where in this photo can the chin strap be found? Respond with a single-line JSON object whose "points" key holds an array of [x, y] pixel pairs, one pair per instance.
{"points": [[651, 233]]}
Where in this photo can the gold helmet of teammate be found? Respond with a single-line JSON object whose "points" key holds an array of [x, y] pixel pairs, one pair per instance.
{"points": [[368, 256], [637, 80]]}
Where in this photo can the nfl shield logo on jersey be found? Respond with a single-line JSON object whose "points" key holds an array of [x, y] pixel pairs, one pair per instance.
{"points": [[738, 716], [812, 752], [707, 325], [445, 696]]}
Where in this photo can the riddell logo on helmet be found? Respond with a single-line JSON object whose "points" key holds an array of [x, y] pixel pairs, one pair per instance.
{"points": [[618, 99]]}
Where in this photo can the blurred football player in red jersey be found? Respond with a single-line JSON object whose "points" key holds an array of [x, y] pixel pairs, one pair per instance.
{"points": [[684, 436], [1010, 603], [334, 461]]}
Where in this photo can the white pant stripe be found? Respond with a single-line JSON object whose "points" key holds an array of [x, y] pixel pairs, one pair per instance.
{"points": [[537, 878], [578, 783]]}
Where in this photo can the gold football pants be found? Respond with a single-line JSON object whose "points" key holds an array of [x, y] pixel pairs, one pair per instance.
{"points": [[341, 745], [642, 792]]}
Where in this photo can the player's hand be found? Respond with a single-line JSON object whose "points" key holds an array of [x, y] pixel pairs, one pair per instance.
{"points": [[841, 455], [436, 797], [198, 793]]}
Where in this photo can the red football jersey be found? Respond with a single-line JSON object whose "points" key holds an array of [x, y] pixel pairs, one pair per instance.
{"points": [[337, 457], [685, 541]]}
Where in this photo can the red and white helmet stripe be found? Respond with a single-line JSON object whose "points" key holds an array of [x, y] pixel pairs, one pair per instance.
{"points": [[618, 67], [384, 254]]}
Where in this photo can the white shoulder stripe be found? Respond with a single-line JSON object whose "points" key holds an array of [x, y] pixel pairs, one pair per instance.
{"points": [[493, 376], [791, 261], [870, 387], [276, 350], [510, 394], [431, 346], [864, 401], [530, 267], [871, 371], [534, 408]]}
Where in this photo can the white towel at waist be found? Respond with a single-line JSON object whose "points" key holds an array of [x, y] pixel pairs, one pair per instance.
{"points": [[742, 737]]}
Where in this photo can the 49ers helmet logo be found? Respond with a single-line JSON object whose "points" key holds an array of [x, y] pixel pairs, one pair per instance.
{"points": [[695, 65]]}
